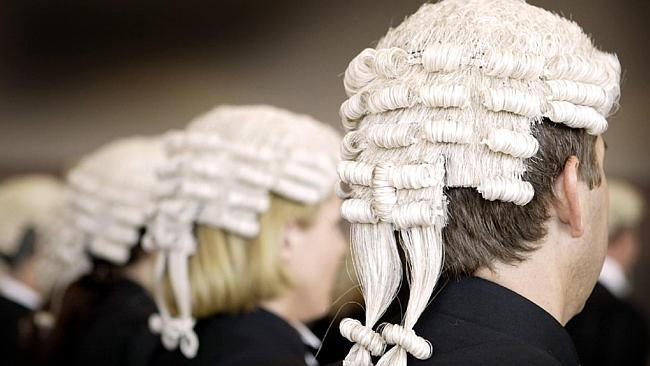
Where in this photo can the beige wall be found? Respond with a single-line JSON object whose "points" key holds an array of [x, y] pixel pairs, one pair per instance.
{"points": [[295, 61]]}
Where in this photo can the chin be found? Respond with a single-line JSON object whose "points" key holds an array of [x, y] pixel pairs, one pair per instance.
{"points": [[582, 296], [315, 312], [581, 307]]}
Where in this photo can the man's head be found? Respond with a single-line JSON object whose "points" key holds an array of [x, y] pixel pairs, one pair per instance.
{"points": [[568, 215], [480, 232], [472, 130]]}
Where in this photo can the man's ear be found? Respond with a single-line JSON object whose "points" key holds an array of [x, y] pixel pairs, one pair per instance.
{"points": [[567, 197]]}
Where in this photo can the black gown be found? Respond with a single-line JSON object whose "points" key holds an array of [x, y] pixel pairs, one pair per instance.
{"points": [[334, 346], [12, 318], [609, 331], [477, 322], [472, 321], [248, 339], [115, 330]]}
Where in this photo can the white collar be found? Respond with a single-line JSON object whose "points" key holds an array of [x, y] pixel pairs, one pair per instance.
{"points": [[19, 293], [309, 339], [307, 336], [613, 278]]}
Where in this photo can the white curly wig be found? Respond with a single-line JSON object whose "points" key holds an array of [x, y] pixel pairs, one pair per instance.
{"points": [[448, 99], [221, 171]]}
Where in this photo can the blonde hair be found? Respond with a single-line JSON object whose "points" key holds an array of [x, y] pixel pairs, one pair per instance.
{"points": [[626, 207], [220, 172], [231, 274]]}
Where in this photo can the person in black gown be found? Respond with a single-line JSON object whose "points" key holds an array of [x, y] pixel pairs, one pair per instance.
{"points": [[475, 166], [29, 209], [264, 238], [103, 316]]}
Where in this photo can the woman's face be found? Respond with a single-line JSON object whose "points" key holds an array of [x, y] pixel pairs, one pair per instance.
{"points": [[316, 254]]}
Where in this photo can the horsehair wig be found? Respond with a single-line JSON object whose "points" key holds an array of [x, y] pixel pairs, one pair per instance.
{"points": [[36, 203], [111, 195], [28, 201], [220, 172], [448, 99]]}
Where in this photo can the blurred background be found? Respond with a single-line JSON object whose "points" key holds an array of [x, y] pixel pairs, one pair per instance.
{"points": [[76, 74]]}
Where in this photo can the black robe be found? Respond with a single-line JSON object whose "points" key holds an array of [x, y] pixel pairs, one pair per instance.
{"points": [[477, 322], [114, 332], [471, 321], [609, 331], [248, 339], [13, 317], [334, 347]]}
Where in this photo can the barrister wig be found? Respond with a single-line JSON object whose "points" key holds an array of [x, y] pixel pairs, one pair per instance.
{"points": [[221, 172], [112, 196], [448, 99], [31, 225]]}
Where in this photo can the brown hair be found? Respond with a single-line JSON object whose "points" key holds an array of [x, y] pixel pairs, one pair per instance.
{"points": [[479, 232]]}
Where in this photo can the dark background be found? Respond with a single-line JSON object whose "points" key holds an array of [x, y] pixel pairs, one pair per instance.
{"points": [[76, 74]]}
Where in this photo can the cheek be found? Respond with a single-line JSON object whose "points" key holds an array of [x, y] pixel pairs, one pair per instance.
{"points": [[598, 208], [321, 257], [327, 250], [599, 231], [604, 213]]}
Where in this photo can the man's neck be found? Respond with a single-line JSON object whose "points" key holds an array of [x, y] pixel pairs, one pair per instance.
{"points": [[536, 279]]}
